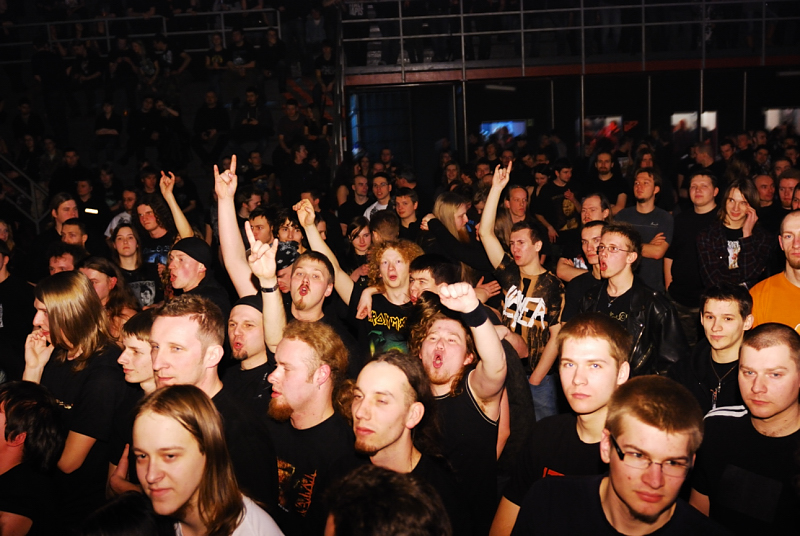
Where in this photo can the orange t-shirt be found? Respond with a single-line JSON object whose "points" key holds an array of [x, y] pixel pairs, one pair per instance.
{"points": [[776, 299]]}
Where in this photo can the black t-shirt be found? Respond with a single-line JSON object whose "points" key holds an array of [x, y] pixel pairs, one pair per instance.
{"points": [[210, 289], [309, 461], [350, 209], [387, 326], [557, 209], [250, 386], [571, 505], [241, 55], [145, 284], [293, 131], [618, 307], [327, 68], [156, 250], [26, 492], [220, 58], [574, 293], [251, 449], [90, 402], [687, 284], [122, 432], [611, 188], [470, 445], [748, 477], [436, 473], [16, 317], [553, 448]]}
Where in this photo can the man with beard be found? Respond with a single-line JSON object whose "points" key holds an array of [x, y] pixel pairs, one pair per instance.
{"points": [[653, 429], [313, 443], [246, 336], [775, 299], [394, 421], [466, 364], [186, 341]]}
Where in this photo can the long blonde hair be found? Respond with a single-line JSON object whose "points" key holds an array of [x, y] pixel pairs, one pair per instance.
{"points": [[445, 208]]}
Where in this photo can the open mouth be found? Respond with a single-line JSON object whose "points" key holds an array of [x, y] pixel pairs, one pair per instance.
{"points": [[303, 290], [438, 360]]}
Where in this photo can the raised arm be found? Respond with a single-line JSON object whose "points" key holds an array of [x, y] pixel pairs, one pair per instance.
{"points": [[181, 223], [230, 239], [493, 247], [342, 282], [262, 263], [490, 375]]}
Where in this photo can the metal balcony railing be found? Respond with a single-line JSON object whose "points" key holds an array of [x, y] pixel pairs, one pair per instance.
{"points": [[564, 32]]}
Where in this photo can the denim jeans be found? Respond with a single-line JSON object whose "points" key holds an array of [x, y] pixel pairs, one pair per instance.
{"points": [[544, 397]]}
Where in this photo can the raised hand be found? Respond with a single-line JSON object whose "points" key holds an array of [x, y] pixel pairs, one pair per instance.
{"points": [[225, 183], [262, 256], [167, 183], [459, 297], [305, 213], [501, 176]]}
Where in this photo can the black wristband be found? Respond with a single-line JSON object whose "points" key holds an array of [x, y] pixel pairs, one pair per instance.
{"points": [[475, 318], [268, 290]]}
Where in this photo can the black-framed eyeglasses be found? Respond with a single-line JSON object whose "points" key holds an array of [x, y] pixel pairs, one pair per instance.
{"points": [[611, 249], [637, 460]]}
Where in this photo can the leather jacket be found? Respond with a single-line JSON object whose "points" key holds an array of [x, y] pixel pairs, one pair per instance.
{"points": [[658, 338]]}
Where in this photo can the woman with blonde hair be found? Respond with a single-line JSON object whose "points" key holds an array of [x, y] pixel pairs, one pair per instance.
{"points": [[70, 351], [449, 235], [198, 488]]}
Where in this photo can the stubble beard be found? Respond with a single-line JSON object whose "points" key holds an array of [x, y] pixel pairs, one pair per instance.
{"points": [[279, 410]]}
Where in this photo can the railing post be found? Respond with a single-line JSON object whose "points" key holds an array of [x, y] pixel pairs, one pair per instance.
{"points": [[402, 42], [463, 55], [522, 37]]}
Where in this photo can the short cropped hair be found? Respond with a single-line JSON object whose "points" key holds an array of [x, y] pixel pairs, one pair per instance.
{"points": [[210, 322], [386, 223], [139, 325], [727, 292], [561, 164], [536, 236], [631, 235], [773, 334], [442, 269], [75, 221], [411, 193], [318, 257], [659, 402], [598, 326], [327, 346], [30, 409], [372, 500], [703, 172]]}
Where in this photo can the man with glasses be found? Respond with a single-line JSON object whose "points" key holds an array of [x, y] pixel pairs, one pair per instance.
{"points": [[648, 315], [746, 477], [382, 190], [653, 429]]}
